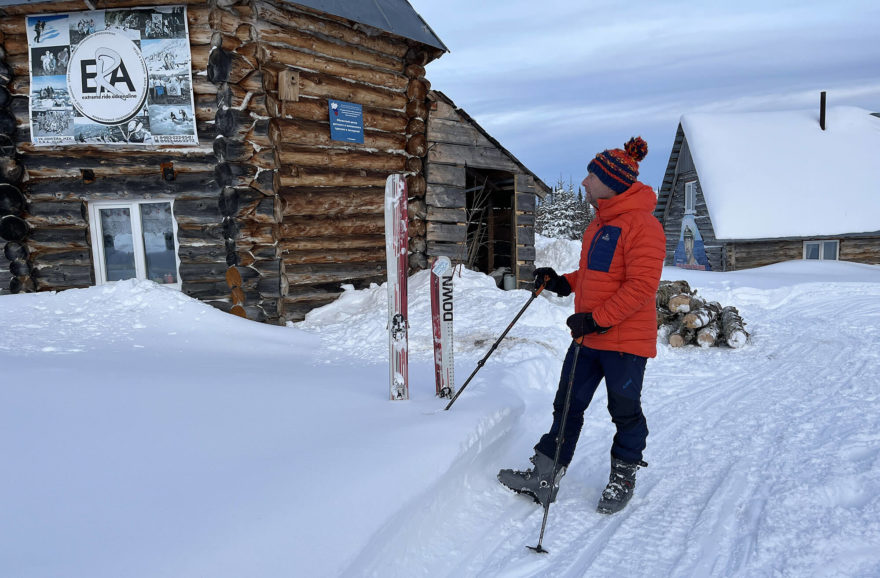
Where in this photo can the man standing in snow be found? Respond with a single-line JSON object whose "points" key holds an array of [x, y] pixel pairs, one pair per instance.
{"points": [[614, 327]]}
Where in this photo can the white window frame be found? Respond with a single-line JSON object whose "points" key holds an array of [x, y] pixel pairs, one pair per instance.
{"points": [[690, 197], [140, 260], [821, 245]]}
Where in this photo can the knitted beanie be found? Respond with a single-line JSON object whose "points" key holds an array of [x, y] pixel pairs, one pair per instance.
{"points": [[619, 168]]}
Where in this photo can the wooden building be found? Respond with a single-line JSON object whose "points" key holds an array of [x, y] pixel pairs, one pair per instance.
{"points": [[480, 203], [265, 214], [747, 190]]}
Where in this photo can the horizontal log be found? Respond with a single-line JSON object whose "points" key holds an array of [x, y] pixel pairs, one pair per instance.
{"points": [[45, 239], [455, 251], [315, 177], [206, 253], [306, 156], [350, 71], [41, 213], [447, 233], [284, 131], [451, 215], [369, 255], [314, 84], [14, 250], [333, 273], [63, 164], [316, 109], [299, 227], [289, 245], [304, 39], [444, 196], [472, 156], [332, 201], [62, 277], [450, 175], [287, 17]]}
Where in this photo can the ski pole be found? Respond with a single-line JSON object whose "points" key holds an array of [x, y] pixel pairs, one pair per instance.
{"points": [[482, 362], [559, 439]]}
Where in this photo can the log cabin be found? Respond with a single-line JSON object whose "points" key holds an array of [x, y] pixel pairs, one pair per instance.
{"points": [[748, 190], [228, 183], [480, 198]]}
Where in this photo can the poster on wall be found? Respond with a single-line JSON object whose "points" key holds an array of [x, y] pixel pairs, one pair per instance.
{"points": [[111, 77], [691, 252]]}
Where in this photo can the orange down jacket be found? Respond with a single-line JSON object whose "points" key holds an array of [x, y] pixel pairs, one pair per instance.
{"points": [[619, 272]]}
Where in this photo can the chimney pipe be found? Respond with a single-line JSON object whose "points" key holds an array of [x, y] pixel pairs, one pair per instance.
{"points": [[822, 110]]}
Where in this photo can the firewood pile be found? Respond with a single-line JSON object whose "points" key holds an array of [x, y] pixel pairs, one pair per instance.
{"points": [[686, 318]]}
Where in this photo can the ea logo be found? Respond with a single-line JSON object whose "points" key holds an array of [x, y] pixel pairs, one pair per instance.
{"points": [[107, 78]]}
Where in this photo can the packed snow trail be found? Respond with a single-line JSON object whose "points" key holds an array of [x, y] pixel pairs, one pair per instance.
{"points": [[763, 461], [147, 434]]}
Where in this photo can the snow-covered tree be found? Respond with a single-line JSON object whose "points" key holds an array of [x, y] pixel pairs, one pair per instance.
{"points": [[563, 214]]}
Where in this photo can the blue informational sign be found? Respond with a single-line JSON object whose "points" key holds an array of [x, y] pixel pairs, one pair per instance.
{"points": [[346, 121]]}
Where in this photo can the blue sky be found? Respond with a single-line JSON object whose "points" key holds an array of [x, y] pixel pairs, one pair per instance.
{"points": [[558, 81]]}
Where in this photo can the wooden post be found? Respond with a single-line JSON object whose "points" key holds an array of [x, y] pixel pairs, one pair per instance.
{"points": [[822, 110]]}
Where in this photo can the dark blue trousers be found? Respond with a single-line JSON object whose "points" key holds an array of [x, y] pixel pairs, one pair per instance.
{"points": [[623, 374]]}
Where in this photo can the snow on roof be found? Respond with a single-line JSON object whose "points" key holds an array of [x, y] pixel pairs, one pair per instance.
{"points": [[778, 174]]}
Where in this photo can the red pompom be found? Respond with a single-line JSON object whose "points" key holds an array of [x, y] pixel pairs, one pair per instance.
{"points": [[636, 148]]}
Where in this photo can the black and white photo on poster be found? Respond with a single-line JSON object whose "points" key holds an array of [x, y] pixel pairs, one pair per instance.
{"points": [[124, 75], [47, 30], [50, 93], [50, 60], [81, 24], [135, 131]]}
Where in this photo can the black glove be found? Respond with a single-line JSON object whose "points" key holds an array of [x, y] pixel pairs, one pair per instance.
{"points": [[552, 281], [582, 324]]}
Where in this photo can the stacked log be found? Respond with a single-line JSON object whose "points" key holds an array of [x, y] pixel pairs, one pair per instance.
{"points": [[686, 318], [249, 204], [15, 276]]}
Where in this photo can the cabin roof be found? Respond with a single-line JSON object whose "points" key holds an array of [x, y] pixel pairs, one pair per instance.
{"points": [[395, 16], [778, 174]]}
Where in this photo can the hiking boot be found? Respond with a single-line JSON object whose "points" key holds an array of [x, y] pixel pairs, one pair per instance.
{"points": [[621, 484], [536, 482]]}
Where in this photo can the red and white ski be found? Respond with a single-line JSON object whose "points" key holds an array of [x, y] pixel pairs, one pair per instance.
{"points": [[442, 313], [397, 257]]}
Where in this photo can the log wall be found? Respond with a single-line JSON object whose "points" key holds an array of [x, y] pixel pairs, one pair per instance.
{"points": [[272, 215], [331, 226], [455, 143], [862, 248]]}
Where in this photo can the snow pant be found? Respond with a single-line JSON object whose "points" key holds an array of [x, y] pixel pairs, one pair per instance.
{"points": [[623, 374]]}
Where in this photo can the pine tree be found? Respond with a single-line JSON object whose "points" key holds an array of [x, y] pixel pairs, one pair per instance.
{"points": [[563, 214]]}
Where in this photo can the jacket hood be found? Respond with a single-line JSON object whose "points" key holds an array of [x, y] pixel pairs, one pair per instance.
{"points": [[639, 197]]}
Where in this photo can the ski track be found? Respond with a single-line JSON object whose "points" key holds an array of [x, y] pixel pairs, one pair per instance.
{"points": [[727, 432]]}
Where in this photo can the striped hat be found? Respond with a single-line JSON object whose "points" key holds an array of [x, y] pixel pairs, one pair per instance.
{"points": [[619, 168]]}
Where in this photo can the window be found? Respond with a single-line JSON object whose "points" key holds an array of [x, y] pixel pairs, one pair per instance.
{"points": [[821, 250], [134, 239], [690, 197]]}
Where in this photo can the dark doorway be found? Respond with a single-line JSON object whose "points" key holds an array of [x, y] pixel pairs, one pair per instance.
{"points": [[490, 214]]}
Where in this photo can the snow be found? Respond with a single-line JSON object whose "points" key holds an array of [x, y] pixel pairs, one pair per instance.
{"points": [[146, 434], [778, 174]]}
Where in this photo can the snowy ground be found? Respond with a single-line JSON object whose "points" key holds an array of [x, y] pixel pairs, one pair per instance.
{"points": [[145, 434]]}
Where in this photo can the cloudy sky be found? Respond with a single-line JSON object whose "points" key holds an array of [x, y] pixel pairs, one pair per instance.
{"points": [[556, 81]]}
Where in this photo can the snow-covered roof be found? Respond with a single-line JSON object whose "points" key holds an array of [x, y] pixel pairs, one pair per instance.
{"points": [[778, 174]]}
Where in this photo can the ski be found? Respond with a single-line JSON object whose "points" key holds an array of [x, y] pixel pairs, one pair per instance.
{"points": [[397, 257], [441, 322]]}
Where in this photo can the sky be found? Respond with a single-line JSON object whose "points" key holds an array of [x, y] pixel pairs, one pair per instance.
{"points": [[558, 81]]}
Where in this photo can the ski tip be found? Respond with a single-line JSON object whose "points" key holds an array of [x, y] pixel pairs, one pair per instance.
{"points": [[538, 549]]}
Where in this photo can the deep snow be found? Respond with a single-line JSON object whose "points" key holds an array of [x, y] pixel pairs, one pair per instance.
{"points": [[146, 434]]}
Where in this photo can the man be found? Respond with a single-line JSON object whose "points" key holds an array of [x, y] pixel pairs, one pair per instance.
{"points": [[614, 327]]}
